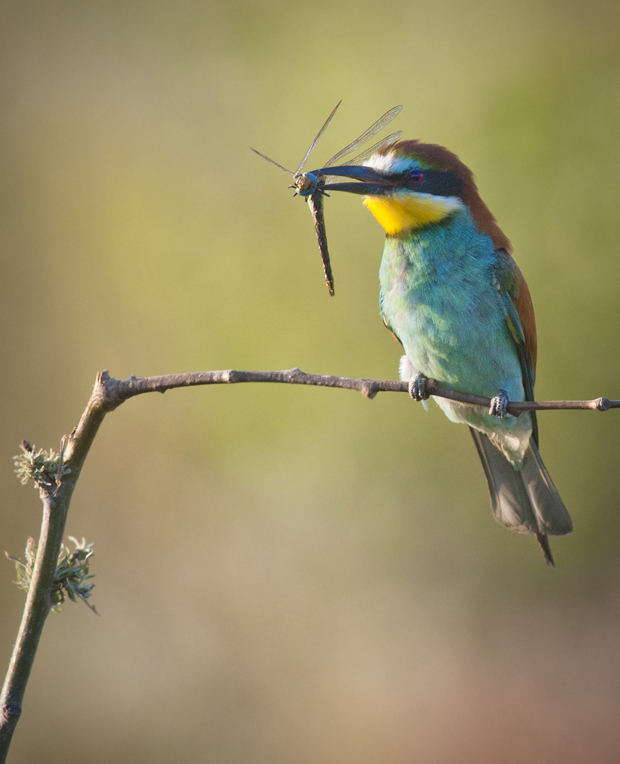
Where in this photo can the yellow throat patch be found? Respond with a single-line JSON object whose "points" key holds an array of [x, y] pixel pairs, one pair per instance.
{"points": [[405, 211]]}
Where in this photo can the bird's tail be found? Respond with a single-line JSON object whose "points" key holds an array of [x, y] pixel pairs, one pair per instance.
{"points": [[525, 501]]}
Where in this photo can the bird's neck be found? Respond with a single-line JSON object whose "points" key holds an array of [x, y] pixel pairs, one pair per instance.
{"points": [[436, 252]]}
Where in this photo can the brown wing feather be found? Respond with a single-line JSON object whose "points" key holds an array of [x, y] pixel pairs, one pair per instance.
{"points": [[525, 309]]}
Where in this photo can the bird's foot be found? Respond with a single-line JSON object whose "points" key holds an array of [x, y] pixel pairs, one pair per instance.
{"points": [[499, 404], [417, 388]]}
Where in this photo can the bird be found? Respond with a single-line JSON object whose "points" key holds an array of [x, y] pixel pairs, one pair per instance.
{"points": [[454, 297]]}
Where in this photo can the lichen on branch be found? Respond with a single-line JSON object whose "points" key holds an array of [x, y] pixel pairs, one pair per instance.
{"points": [[43, 467], [72, 572]]}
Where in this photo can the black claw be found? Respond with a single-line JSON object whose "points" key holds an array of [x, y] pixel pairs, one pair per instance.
{"points": [[499, 404], [417, 388]]}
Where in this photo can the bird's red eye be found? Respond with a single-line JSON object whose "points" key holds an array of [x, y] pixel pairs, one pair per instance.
{"points": [[417, 176]]}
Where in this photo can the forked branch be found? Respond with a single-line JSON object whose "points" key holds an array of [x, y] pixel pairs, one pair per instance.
{"points": [[107, 395]]}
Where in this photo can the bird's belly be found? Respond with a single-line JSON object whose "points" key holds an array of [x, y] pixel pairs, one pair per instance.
{"points": [[471, 350], [457, 338]]}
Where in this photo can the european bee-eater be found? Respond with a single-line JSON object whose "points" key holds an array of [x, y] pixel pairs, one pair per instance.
{"points": [[453, 296]]}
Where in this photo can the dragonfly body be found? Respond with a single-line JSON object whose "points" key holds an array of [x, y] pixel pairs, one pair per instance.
{"points": [[312, 187], [315, 202]]}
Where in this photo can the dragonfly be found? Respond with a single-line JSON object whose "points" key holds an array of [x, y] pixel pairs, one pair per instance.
{"points": [[312, 186]]}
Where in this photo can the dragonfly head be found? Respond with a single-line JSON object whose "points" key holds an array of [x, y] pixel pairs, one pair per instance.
{"points": [[306, 183]]}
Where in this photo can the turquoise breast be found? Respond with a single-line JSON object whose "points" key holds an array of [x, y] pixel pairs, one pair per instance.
{"points": [[438, 296]]}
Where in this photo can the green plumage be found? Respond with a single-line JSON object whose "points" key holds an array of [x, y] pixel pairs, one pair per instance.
{"points": [[447, 294]]}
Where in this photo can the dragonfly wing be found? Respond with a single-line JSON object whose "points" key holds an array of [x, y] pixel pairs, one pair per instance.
{"points": [[273, 161], [361, 158], [316, 140], [375, 128]]}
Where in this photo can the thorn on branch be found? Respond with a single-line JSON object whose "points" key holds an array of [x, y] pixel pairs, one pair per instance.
{"points": [[59, 472], [368, 391], [12, 711], [295, 374]]}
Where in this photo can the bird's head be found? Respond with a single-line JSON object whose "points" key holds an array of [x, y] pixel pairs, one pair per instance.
{"points": [[408, 185]]}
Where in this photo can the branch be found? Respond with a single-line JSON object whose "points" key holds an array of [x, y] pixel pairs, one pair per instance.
{"points": [[56, 499], [107, 395], [115, 391]]}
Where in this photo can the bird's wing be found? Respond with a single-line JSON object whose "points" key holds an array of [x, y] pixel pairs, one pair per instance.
{"points": [[520, 320]]}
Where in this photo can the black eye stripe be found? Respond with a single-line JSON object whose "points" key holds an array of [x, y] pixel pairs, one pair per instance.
{"points": [[433, 182]]}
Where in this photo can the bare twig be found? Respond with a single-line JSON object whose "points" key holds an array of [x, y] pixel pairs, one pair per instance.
{"points": [[116, 391], [56, 495]]}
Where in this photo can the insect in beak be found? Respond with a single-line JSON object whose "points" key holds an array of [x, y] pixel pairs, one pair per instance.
{"points": [[313, 186]]}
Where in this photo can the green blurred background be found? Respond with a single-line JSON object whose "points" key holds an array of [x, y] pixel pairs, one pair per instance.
{"points": [[290, 574]]}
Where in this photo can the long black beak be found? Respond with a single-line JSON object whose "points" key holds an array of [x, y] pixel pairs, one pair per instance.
{"points": [[371, 183]]}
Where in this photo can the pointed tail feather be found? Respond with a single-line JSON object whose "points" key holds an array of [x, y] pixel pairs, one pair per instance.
{"points": [[552, 515], [509, 499], [524, 501]]}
